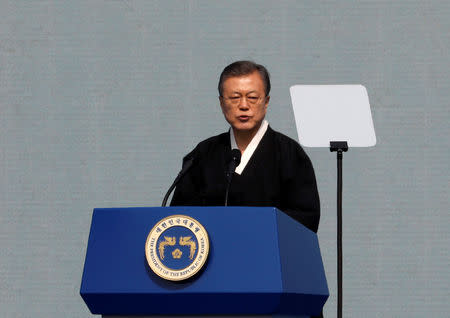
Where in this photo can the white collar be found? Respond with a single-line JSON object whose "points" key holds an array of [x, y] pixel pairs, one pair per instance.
{"points": [[248, 152]]}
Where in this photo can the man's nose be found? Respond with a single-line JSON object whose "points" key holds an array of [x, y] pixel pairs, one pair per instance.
{"points": [[243, 103]]}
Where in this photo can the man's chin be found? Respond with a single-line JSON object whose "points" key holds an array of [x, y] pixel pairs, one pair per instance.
{"points": [[245, 129]]}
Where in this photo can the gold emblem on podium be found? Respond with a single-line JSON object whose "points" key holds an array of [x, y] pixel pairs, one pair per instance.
{"points": [[177, 247]]}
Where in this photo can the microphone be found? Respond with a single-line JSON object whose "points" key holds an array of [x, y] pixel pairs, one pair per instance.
{"points": [[187, 164], [234, 161]]}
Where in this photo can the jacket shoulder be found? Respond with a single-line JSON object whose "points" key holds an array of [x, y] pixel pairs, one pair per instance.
{"points": [[213, 141], [208, 145], [288, 148]]}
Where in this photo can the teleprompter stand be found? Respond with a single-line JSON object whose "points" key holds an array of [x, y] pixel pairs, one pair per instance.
{"points": [[334, 116], [339, 147]]}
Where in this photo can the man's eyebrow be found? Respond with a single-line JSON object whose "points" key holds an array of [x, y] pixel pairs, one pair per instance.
{"points": [[239, 92]]}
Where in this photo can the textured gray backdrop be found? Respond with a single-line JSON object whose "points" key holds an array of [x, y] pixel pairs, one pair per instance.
{"points": [[99, 101]]}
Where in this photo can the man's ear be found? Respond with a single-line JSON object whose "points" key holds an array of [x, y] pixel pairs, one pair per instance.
{"points": [[221, 101], [267, 102]]}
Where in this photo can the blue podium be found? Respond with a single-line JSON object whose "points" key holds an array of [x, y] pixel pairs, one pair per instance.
{"points": [[260, 262]]}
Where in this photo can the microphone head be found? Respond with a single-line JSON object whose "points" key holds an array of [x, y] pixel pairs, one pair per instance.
{"points": [[236, 156], [188, 161]]}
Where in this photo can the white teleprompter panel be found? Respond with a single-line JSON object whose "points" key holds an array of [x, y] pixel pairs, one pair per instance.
{"points": [[325, 113]]}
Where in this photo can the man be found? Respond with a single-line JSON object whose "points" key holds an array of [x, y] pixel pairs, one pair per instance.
{"points": [[274, 170]]}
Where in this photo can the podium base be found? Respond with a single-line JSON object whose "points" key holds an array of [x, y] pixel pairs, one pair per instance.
{"points": [[210, 316]]}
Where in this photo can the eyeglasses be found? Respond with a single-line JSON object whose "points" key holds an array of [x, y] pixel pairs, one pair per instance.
{"points": [[236, 100]]}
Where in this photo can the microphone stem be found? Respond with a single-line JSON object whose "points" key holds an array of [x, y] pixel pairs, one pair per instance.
{"points": [[235, 161], [226, 194], [168, 193], [188, 164]]}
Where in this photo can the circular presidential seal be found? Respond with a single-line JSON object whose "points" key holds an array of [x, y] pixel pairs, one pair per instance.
{"points": [[177, 247]]}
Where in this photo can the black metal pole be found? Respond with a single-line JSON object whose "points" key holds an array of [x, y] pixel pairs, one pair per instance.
{"points": [[339, 231], [339, 147]]}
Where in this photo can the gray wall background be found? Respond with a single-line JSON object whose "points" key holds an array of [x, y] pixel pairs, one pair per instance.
{"points": [[99, 101]]}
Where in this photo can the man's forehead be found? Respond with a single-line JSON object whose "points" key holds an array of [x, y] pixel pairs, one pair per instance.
{"points": [[252, 78]]}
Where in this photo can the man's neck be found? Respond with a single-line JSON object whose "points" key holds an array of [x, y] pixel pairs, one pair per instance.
{"points": [[243, 138], [247, 144]]}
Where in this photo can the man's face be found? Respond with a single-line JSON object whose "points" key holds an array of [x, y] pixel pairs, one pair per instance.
{"points": [[244, 102]]}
